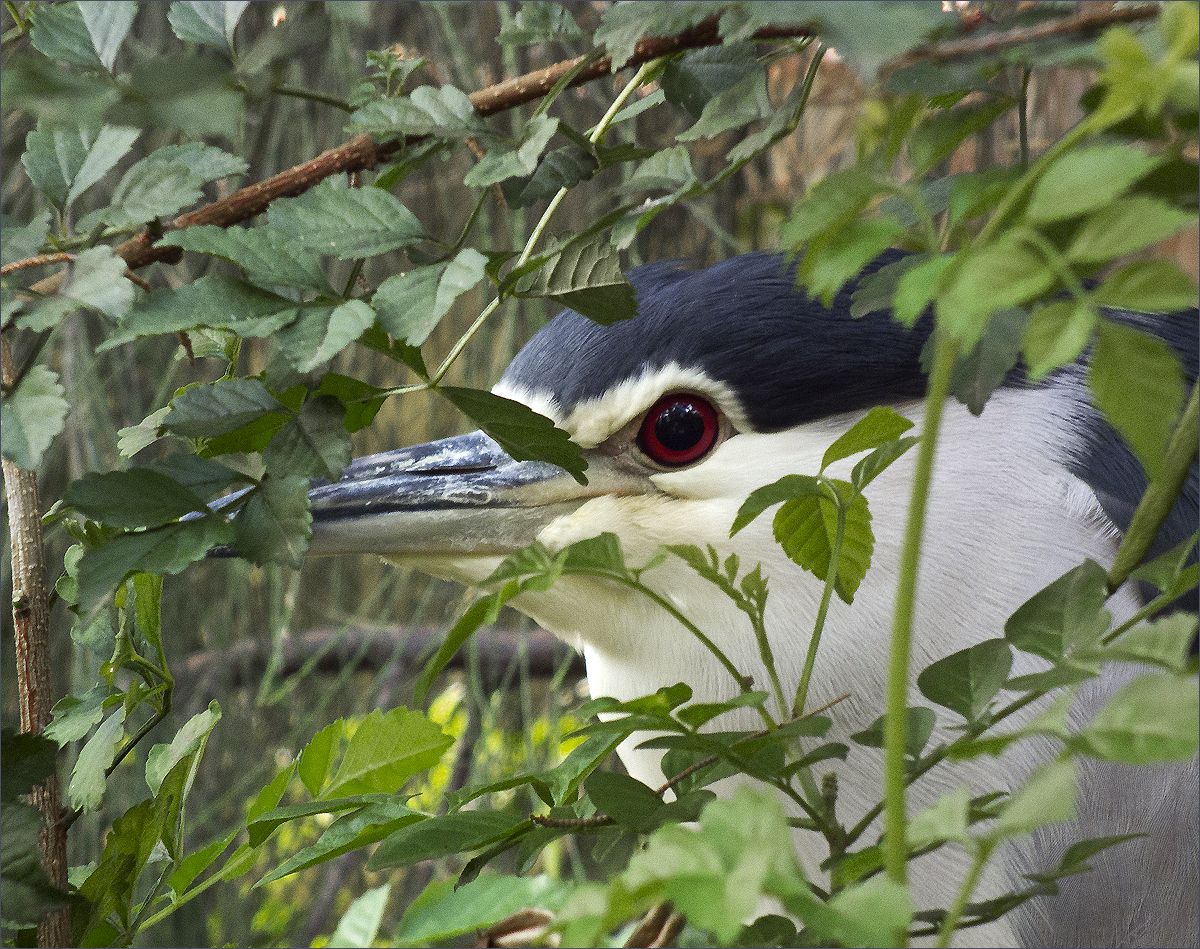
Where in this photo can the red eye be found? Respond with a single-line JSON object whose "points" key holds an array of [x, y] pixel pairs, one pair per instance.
{"points": [[678, 429]]}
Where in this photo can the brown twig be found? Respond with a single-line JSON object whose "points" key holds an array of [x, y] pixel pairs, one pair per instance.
{"points": [[31, 637], [41, 260]]}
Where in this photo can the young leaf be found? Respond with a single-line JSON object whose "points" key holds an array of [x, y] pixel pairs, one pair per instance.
{"points": [[1048, 797], [1064, 616], [163, 757], [978, 374], [444, 912], [500, 163], [966, 681], [1125, 226], [881, 424], [1148, 286], [75, 716], [64, 162], [31, 416], [95, 279], [87, 777], [919, 726], [1137, 382], [917, 288], [691, 81], [411, 305], [219, 407], [314, 443], [1165, 642], [1151, 720], [998, 276], [539, 23], [520, 431], [385, 751], [945, 819], [443, 112], [1087, 178], [267, 256], [806, 528], [786, 488], [562, 168], [1057, 333], [346, 222], [108, 23], [831, 203], [275, 524], [360, 924], [586, 277], [736, 106]]}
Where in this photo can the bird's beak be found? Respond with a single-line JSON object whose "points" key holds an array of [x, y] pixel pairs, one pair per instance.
{"points": [[457, 496]]}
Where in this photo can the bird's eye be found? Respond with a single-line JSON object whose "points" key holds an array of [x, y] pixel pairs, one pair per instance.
{"points": [[678, 430]]}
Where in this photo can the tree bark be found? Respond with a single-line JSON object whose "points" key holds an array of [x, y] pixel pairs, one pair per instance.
{"points": [[31, 629]]}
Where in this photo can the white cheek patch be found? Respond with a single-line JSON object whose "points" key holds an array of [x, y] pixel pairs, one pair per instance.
{"points": [[592, 421]]}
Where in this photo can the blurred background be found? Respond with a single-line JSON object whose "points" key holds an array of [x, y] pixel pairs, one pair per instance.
{"points": [[285, 652]]}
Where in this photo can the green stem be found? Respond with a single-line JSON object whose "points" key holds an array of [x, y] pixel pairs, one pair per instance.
{"points": [[970, 881], [1156, 503], [810, 657], [312, 96], [227, 871], [1023, 118], [1158, 603], [894, 785], [597, 134]]}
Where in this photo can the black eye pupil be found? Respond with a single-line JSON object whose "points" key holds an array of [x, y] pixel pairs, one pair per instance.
{"points": [[679, 426]]}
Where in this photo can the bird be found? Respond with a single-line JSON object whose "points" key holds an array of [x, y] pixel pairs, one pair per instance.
{"points": [[728, 378]]}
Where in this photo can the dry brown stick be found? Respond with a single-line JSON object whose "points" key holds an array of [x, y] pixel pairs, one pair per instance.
{"points": [[31, 635], [41, 260]]}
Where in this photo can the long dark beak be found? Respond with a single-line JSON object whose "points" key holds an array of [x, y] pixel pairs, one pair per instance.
{"points": [[455, 496]]}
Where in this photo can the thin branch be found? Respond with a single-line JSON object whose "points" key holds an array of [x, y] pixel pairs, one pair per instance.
{"points": [[41, 260]]}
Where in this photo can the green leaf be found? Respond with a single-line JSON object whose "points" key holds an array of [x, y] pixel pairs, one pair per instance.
{"points": [[314, 443], [1137, 382], [1151, 720], [1048, 797], [75, 716], [195, 863], [360, 924], [586, 277], [981, 372], [135, 498], [871, 467], [786, 488], [966, 681], [667, 170], [266, 255], [623, 24], [1057, 333], [31, 416], [1066, 615], [28, 761], [837, 256], [919, 722], [317, 756], [500, 163], [939, 135], [63, 162], [163, 757], [865, 37], [444, 912], [219, 407], [1148, 286], [945, 819], [831, 203], [275, 524], [806, 527], [999, 276], [352, 831], [916, 289], [385, 751], [58, 31], [323, 332], [165, 549], [436, 837], [353, 394], [562, 168], [95, 279], [28, 892], [881, 424], [147, 589], [739, 105], [1087, 178], [875, 912], [520, 431], [23, 240], [206, 22], [411, 305], [346, 222], [626, 800], [539, 23], [162, 183], [443, 112], [875, 291], [1124, 226], [87, 778], [691, 81], [200, 475], [1162, 642], [108, 24]]}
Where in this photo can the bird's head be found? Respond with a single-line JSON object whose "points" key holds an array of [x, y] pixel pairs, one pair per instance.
{"points": [[728, 378]]}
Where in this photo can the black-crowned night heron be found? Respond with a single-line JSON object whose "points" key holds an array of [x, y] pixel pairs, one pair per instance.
{"points": [[728, 379]]}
